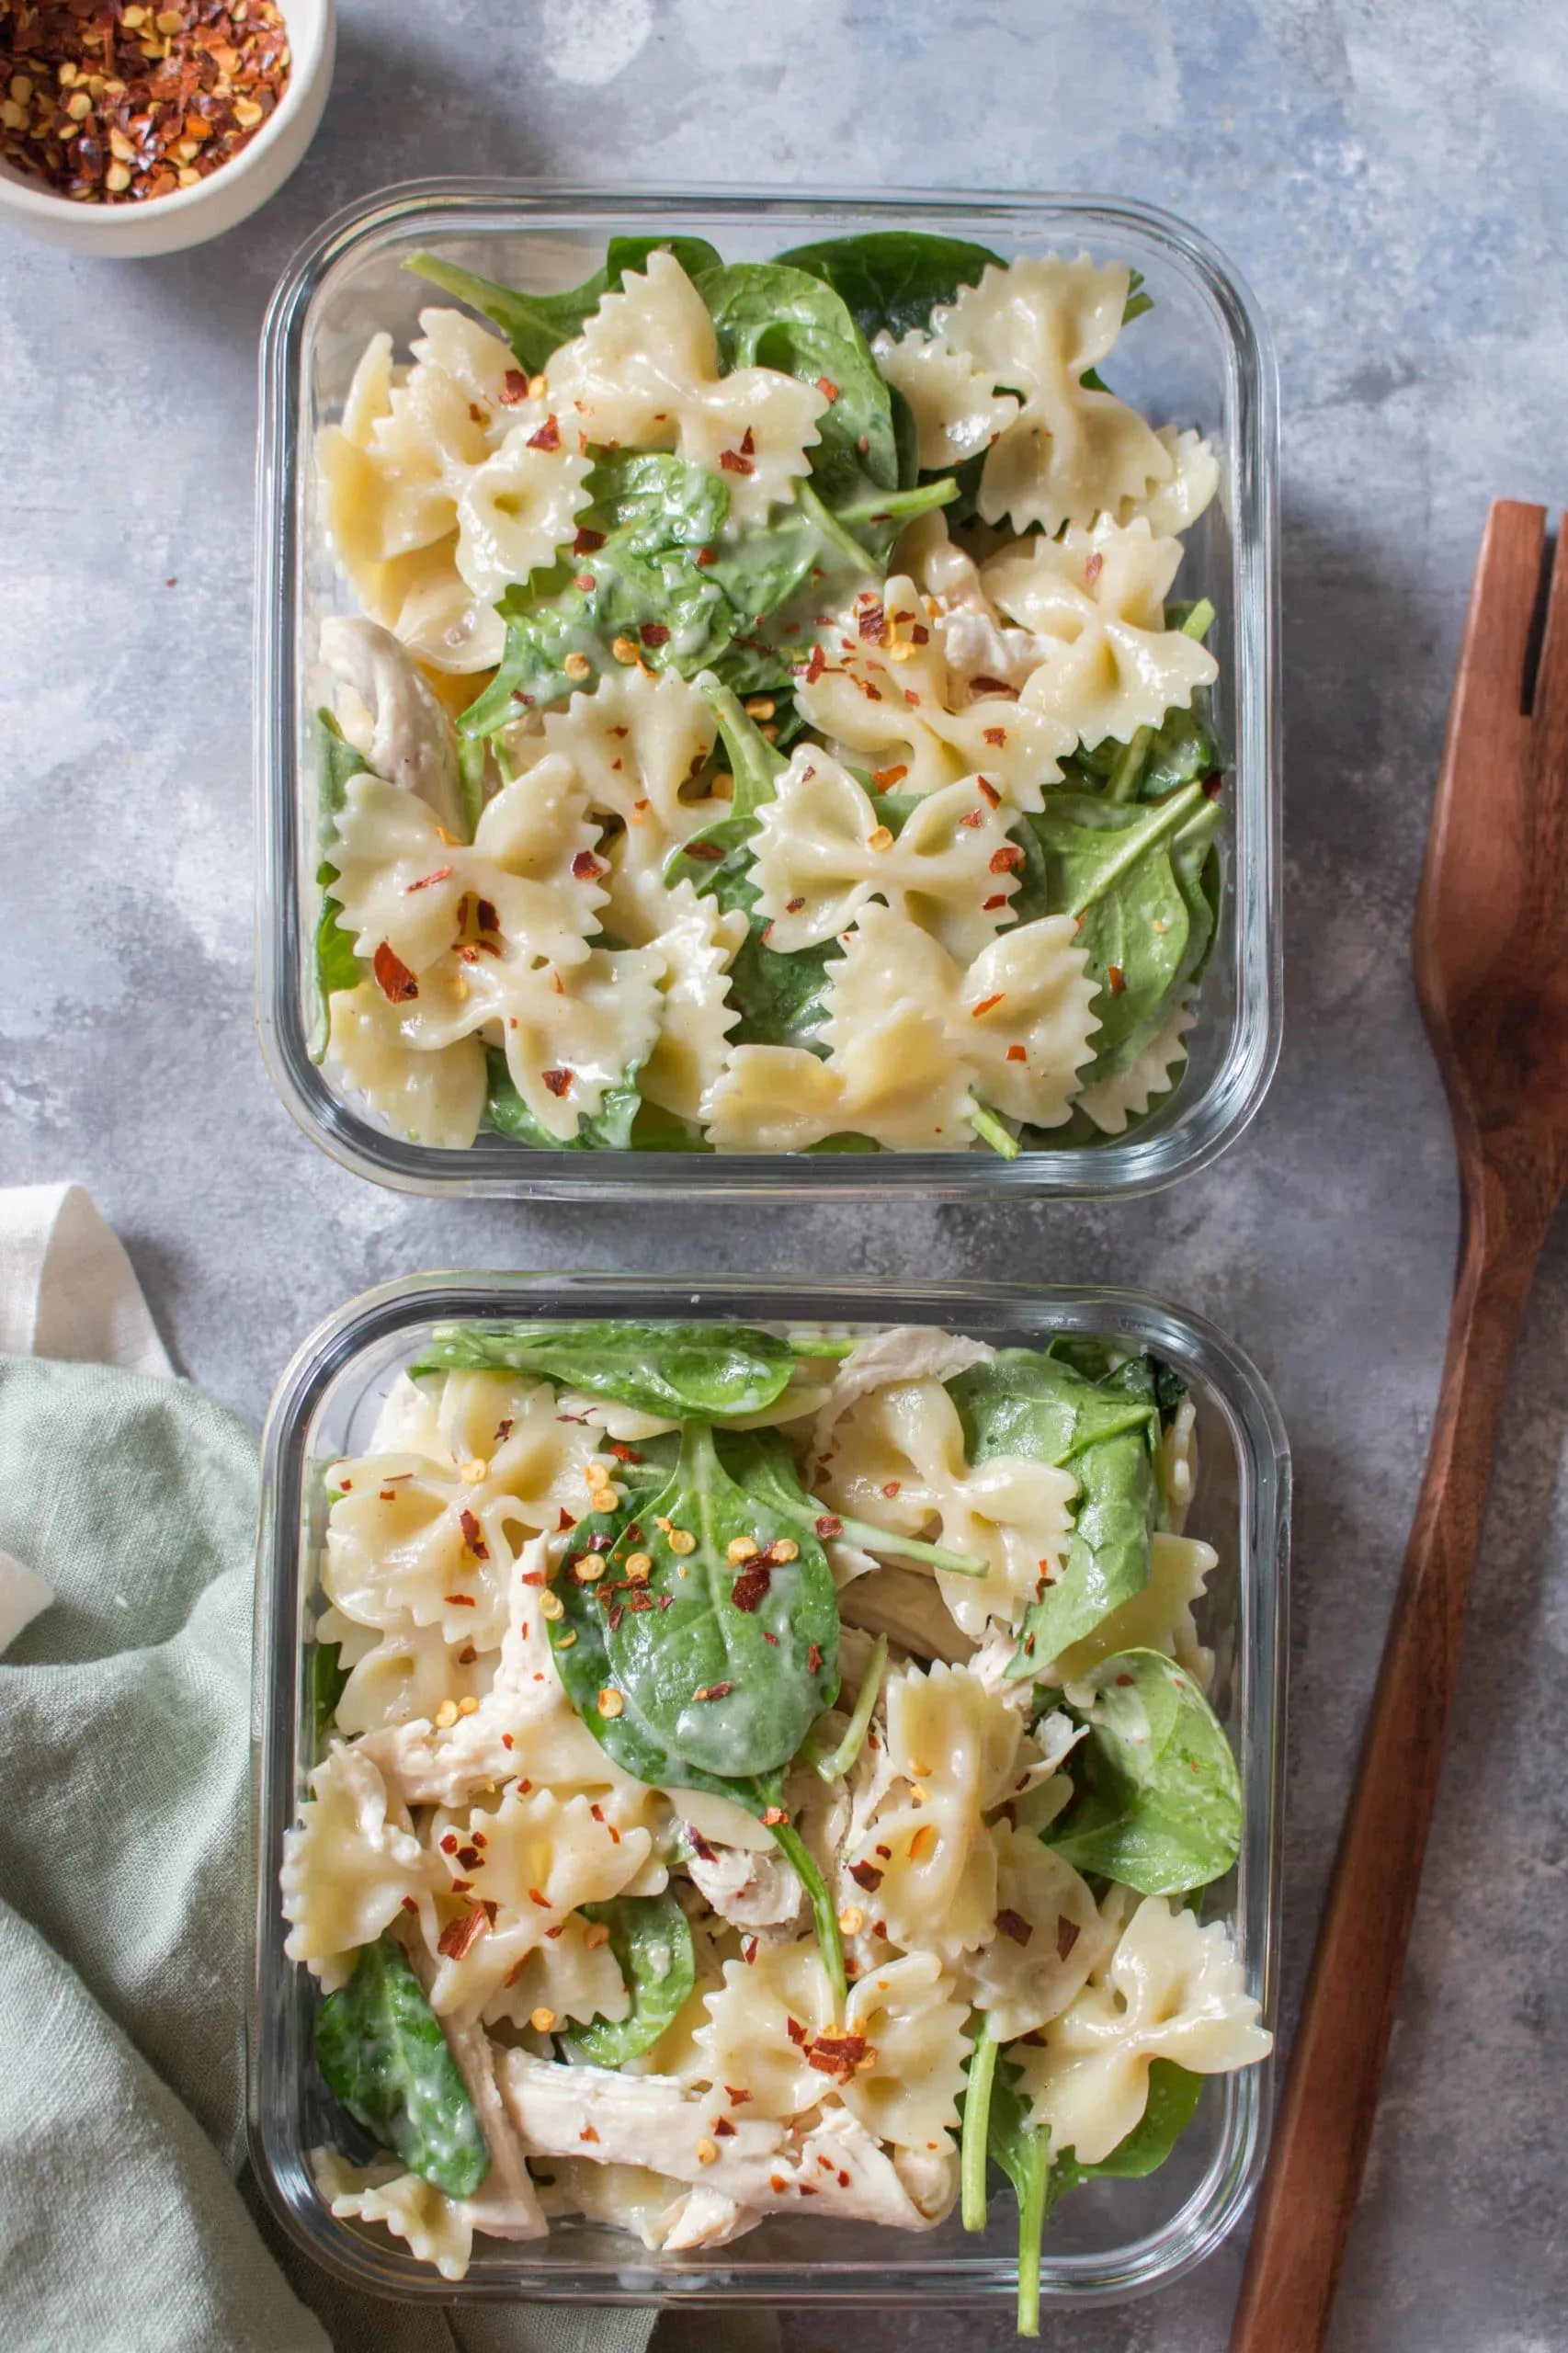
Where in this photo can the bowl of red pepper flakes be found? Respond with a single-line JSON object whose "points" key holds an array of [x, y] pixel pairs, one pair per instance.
{"points": [[137, 127]]}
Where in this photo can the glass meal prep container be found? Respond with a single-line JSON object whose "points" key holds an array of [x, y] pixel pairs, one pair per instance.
{"points": [[1111, 2239], [1200, 358]]}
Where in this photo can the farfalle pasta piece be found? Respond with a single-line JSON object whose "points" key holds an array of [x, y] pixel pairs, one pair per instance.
{"points": [[444, 486], [899, 1456], [431, 1097], [1159, 1617], [570, 1038], [573, 1975], [1174, 506], [408, 1675], [438, 2229], [762, 2024], [1095, 601], [879, 685], [436, 1539], [957, 410], [644, 374], [906, 2085], [923, 1862], [520, 1869], [529, 882], [1049, 1937], [1018, 1020], [1111, 1102], [635, 744], [822, 852], [349, 1866], [1171, 1990], [1038, 328], [697, 944], [896, 1082]]}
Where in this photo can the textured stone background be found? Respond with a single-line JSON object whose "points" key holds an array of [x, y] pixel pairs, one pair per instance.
{"points": [[1390, 182]]}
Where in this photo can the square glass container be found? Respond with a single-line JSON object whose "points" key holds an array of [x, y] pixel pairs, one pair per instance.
{"points": [[1200, 358], [1110, 2239]]}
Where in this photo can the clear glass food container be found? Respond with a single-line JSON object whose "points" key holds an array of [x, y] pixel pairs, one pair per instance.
{"points": [[1201, 357], [1110, 2239]]}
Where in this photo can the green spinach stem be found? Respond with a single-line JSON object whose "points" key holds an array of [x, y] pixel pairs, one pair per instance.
{"points": [[1031, 2227], [977, 2123], [1122, 784], [991, 1131], [834, 1767], [792, 1844]]}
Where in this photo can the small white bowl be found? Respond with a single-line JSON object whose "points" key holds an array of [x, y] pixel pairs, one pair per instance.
{"points": [[166, 224]]}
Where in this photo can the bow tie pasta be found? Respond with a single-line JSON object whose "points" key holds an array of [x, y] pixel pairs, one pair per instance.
{"points": [[702, 617]]}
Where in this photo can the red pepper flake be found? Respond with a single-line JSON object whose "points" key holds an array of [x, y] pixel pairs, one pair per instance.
{"points": [[838, 2055], [623, 1453], [537, 1576], [441, 874], [409, 1905], [460, 1601], [587, 542], [558, 1081], [814, 1659], [982, 686], [1117, 978], [1013, 1925], [547, 438], [988, 791], [843, 2179], [1093, 568], [471, 1536], [796, 2032], [733, 463], [736, 2097], [666, 1601], [985, 1005], [872, 623], [449, 1843], [1066, 1936], [885, 1852], [471, 1859], [722, 2129], [749, 444], [712, 1690], [885, 779], [589, 2132], [515, 389], [751, 1589], [708, 852], [865, 1875], [395, 979], [507, 1741], [1125, 1681], [827, 388], [1213, 786], [1017, 1054], [996, 735], [503, 1432], [458, 1937], [705, 556], [535, 1897], [890, 1488], [586, 867], [652, 632], [1006, 859], [828, 1527], [816, 666], [997, 899]]}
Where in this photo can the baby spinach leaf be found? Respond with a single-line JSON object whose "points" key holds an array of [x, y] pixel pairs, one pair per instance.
{"points": [[1162, 1803], [328, 1679], [669, 1369], [762, 1462], [770, 315], [1113, 866], [380, 2047], [537, 324], [1174, 2095], [893, 278], [1040, 1407], [729, 1664], [780, 997], [656, 1130], [651, 1940], [610, 1130]]}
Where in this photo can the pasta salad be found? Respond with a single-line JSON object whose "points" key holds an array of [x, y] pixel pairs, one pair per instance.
{"points": [[754, 1768], [766, 725]]}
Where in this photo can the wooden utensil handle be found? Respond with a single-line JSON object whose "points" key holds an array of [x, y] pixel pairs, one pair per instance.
{"points": [[1326, 2117]]}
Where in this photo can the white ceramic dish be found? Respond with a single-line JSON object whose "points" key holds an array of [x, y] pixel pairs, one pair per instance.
{"points": [[166, 224]]}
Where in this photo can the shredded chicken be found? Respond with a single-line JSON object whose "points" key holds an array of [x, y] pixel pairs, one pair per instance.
{"points": [[707, 2218], [652, 2120], [506, 2205], [907, 1607], [399, 727], [751, 1890]]}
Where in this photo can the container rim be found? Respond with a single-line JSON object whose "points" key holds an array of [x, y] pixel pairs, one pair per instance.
{"points": [[1199, 1130], [1230, 1382]]}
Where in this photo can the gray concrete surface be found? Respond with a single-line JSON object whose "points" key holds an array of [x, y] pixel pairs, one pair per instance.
{"points": [[1390, 181]]}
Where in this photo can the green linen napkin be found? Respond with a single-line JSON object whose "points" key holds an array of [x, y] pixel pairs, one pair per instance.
{"points": [[124, 1900]]}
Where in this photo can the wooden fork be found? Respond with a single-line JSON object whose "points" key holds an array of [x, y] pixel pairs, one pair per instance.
{"points": [[1491, 958]]}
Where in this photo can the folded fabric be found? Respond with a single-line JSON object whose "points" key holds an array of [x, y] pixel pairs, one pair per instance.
{"points": [[124, 1865]]}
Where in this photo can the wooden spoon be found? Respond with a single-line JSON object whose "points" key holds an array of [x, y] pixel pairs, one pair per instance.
{"points": [[1491, 956]]}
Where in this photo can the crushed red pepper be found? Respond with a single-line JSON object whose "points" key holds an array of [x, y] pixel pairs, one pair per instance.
{"points": [[112, 103]]}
